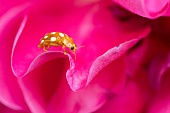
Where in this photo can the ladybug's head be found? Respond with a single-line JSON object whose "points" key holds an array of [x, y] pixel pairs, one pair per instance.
{"points": [[73, 47]]}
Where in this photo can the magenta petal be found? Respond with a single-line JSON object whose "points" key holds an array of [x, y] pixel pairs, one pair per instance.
{"points": [[86, 100], [155, 59], [40, 85], [156, 5], [146, 8], [10, 15], [44, 58], [135, 59], [4, 109], [10, 94], [50, 91], [109, 56], [168, 12], [159, 65], [97, 42], [161, 101], [77, 78], [130, 100], [112, 77]]}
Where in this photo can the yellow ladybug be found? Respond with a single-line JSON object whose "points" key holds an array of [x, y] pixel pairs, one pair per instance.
{"points": [[57, 39]]}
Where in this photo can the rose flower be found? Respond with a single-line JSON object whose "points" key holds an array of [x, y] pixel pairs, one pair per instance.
{"points": [[121, 64]]}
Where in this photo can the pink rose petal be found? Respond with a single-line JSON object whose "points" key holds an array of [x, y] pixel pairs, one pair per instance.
{"points": [[155, 60], [77, 78], [145, 8], [129, 101], [40, 85], [112, 77], [161, 101], [48, 90], [10, 15], [11, 94], [156, 6], [86, 100], [135, 57], [109, 56], [4, 109], [168, 12], [159, 65], [8, 6], [96, 45]]}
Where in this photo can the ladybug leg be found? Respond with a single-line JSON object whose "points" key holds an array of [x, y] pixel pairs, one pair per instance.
{"points": [[45, 48], [64, 49]]}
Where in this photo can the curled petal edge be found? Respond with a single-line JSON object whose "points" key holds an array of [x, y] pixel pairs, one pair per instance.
{"points": [[98, 64]]}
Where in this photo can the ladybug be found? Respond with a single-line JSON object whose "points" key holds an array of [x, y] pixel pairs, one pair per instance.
{"points": [[57, 39]]}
